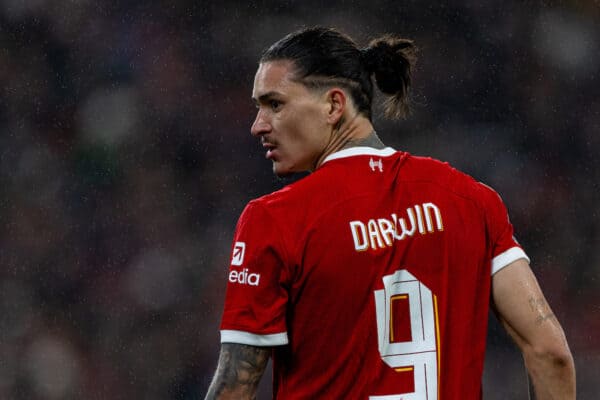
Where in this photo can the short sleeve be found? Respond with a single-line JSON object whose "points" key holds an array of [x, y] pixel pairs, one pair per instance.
{"points": [[256, 296], [504, 245]]}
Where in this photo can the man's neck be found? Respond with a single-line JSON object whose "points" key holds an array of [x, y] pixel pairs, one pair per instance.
{"points": [[356, 132], [370, 141]]}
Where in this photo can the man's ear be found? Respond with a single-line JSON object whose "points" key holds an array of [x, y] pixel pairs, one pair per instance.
{"points": [[337, 100]]}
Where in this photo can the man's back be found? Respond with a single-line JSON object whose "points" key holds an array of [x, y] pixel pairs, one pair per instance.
{"points": [[380, 277]]}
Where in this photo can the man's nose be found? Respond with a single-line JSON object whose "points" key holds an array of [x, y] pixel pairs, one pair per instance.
{"points": [[260, 125]]}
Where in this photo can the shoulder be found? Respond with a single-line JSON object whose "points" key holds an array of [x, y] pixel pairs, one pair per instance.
{"points": [[278, 197], [277, 203], [449, 179], [421, 168], [294, 205], [309, 185], [428, 168]]}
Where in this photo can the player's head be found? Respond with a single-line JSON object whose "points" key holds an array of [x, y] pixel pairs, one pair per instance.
{"points": [[312, 80], [324, 57]]}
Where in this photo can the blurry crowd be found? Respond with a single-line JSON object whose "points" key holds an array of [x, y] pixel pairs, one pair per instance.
{"points": [[126, 158]]}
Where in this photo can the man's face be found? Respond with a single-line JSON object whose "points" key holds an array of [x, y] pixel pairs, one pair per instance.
{"points": [[291, 120]]}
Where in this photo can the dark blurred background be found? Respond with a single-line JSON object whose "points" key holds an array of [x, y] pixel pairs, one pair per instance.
{"points": [[126, 158]]}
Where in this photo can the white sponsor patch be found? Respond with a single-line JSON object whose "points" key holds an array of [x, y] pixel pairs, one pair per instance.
{"points": [[238, 253]]}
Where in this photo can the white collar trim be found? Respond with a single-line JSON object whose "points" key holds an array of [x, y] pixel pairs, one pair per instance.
{"points": [[360, 151]]}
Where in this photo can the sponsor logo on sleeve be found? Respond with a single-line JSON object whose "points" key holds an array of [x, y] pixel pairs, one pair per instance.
{"points": [[239, 248], [244, 277]]}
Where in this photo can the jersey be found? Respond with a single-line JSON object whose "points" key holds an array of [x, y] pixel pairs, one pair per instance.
{"points": [[371, 278]]}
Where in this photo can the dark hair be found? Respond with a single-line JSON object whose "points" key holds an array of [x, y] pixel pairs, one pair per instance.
{"points": [[324, 57]]}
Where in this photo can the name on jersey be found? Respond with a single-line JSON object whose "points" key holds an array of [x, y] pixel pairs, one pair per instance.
{"points": [[379, 233]]}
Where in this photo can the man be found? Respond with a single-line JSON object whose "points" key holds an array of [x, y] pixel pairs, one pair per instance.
{"points": [[371, 277]]}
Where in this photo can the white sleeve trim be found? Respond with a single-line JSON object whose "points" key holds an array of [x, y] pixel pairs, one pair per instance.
{"points": [[510, 255], [241, 337]]}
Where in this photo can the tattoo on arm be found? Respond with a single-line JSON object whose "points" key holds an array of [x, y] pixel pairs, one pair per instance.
{"points": [[541, 308], [239, 371]]}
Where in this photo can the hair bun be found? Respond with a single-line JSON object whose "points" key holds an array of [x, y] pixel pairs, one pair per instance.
{"points": [[390, 59], [389, 65]]}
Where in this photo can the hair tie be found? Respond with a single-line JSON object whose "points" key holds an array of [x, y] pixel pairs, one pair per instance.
{"points": [[368, 58]]}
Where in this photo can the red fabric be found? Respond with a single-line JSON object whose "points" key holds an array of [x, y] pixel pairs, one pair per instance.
{"points": [[322, 247]]}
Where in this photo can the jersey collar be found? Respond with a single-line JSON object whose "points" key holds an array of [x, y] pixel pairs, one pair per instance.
{"points": [[359, 151]]}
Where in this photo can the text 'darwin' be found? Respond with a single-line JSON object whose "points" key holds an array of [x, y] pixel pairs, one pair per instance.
{"points": [[378, 233]]}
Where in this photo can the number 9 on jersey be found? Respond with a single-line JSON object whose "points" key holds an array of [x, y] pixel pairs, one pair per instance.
{"points": [[407, 328]]}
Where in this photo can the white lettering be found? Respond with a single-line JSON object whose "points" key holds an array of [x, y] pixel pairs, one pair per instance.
{"points": [[361, 242], [382, 232], [427, 208], [244, 277], [233, 276], [420, 220], [402, 222], [387, 230], [374, 235], [253, 279]]}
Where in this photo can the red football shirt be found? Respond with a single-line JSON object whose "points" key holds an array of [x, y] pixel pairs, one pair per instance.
{"points": [[370, 278]]}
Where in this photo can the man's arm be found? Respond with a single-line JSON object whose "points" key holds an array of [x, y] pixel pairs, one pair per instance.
{"points": [[238, 372], [527, 317]]}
